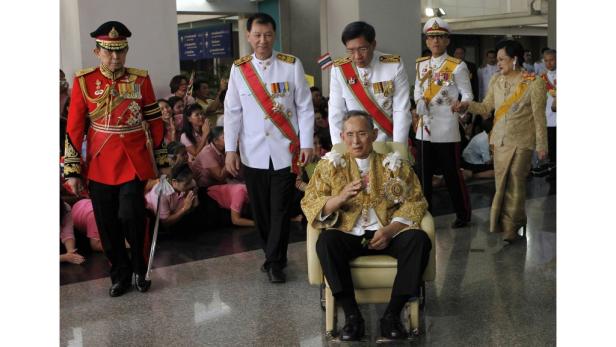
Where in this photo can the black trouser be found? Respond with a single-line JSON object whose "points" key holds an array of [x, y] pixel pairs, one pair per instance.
{"points": [[411, 248], [120, 214], [270, 193], [445, 155], [552, 144]]}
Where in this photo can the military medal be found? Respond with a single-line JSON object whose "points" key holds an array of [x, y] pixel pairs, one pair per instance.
{"points": [[439, 101], [277, 107], [98, 91], [352, 80], [395, 190]]}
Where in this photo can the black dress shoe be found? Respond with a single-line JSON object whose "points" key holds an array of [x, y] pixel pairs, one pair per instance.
{"points": [[119, 288], [353, 329], [392, 328], [459, 223], [276, 275], [141, 283]]}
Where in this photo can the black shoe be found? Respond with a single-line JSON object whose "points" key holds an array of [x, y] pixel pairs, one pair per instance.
{"points": [[276, 275], [459, 223], [353, 329], [392, 328], [141, 283], [119, 288]]}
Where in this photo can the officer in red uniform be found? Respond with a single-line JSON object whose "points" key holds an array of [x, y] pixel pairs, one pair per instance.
{"points": [[124, 149]]}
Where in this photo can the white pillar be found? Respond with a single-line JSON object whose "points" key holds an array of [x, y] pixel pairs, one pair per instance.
{"points": [[244, 46], [552, 24], [153, 45]]}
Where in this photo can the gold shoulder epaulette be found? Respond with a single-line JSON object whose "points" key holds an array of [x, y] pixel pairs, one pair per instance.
{"points": [[454, 60], [84, 71], [138, 72], [242, 60], [286, 58], [340, 61], [420, 59], [389, 58]]}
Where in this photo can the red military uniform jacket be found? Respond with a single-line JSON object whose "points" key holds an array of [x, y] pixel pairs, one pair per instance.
{"points": [[125, 135]]}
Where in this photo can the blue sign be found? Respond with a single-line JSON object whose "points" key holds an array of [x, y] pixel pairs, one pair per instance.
{"points": [[206, 43]]}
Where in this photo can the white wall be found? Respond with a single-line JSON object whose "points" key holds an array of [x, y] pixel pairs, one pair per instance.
{"points": [[153, 45], [473, 8], [217, 6]]}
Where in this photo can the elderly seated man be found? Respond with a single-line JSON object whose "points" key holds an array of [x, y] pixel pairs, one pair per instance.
{"points": [[368, 203]]}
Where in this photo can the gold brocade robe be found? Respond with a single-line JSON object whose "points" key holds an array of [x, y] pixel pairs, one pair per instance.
{"points": [[328, 181]]}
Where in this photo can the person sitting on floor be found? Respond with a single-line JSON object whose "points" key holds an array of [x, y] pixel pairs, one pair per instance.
{"points": [[82, 213], [209, 166], [178, 205], [477, 158], [67, 236], [368, 203]]}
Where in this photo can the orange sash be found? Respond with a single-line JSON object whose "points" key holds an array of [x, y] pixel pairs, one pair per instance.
{"points": [[272, 109], [506, 105]]}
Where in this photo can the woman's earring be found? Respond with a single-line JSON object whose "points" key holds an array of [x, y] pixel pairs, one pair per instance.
{"points": [[515, 63]]}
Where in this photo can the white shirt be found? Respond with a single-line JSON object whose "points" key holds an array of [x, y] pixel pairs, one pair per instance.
{"points": [[478, 149], [373, 223], [441, 122], [485, 74], [528, 67], [549, 114], [244, 120], [397, 106], [540, 67]]}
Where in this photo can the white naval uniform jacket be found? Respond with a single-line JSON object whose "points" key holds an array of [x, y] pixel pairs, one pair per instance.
{"points": [[441, 122], [549, 114], [342, 99], [244, 120]]}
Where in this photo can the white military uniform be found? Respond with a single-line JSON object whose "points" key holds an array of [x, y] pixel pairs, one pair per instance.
{"points": [[387, 69], [244, 120], [550, 115], [441, 122], [485, 75]]}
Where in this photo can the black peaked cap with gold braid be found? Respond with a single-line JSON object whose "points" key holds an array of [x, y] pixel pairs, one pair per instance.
{"points": [[111, 35]]}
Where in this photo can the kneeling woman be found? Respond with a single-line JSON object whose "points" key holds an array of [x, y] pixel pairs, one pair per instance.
{"points": [[209, 166], [177, 205]]}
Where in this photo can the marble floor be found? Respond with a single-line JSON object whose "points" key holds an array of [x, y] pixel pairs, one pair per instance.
{"points": [[484, 294]]}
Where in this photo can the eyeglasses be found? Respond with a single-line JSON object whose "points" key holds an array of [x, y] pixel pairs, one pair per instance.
{"points": [[360, 50]]}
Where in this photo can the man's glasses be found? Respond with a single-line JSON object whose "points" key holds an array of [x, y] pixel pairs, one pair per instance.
{"points": [[360, 50]]}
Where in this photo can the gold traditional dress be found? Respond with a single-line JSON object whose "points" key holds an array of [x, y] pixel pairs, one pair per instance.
{"points": [[392, 191], [519, 128]]}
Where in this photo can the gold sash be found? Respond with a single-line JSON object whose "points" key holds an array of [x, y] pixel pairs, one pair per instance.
{"points": [[515, 97], [433, 89]]}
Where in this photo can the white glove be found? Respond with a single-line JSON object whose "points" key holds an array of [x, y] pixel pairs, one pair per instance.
{"points": [[422, 108]]}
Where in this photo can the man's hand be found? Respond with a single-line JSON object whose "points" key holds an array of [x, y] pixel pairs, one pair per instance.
{"points": [[542, 155], [75, 184], [459, 106], [205, 128], [422, 108], [223, 84], [350, 191], [381, 239], [305, 156], [232, 163]]}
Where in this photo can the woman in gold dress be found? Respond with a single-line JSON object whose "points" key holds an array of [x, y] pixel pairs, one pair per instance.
{"points": [[518, 100]]}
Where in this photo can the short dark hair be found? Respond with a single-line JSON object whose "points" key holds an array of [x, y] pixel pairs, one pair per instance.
{"points": [[174, 147], [314, 89], [356, 29], [550, 51], [491, 51], [215, 132], [462, 48], [261, 18], [164, 100], [544, 49], [181, 172], [174, 84], [513, 49], [357, 113], [174, 100], [528, 50]]}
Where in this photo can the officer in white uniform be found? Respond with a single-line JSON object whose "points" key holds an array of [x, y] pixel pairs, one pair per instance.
{"points": [[382, 75], [440, 80], [549, 59], [264, 148]]}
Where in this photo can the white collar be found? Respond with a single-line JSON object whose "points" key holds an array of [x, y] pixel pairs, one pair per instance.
{"points": [[265, 61], [363, 164]]}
